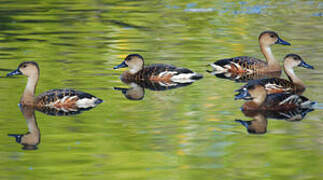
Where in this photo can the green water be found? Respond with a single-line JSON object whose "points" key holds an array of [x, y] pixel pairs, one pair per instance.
{"points": [[184, 133]]}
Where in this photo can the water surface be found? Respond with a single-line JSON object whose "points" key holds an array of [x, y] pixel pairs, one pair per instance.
{"points": [[184, 133]]}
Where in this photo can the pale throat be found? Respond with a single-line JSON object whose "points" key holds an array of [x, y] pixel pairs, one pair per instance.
{"points": [[270, 58], [31, 85], [259, 100], [292, 76], [135, 69]]}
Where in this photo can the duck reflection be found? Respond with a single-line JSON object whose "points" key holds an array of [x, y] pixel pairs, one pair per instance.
{"points": [[259, 123], [31, 139], [137, 88], [238, 77]]}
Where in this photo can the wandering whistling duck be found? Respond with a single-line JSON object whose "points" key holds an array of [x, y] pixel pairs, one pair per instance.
{"points": [[278, 85], [63, 99], [162, 73], [250, 65], [257, 99]]}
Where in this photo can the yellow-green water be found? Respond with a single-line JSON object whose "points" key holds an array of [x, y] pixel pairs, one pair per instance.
{"points": [[185, 133]]}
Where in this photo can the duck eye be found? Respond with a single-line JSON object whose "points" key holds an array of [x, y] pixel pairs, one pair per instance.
{"points": [[24, 66], [295, 58], [272, 36]]}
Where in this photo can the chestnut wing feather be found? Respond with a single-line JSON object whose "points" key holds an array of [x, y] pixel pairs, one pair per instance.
{"points": [[246, 62]]}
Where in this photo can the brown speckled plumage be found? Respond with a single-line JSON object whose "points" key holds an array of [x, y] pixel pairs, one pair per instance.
{"points": [[152, 73], [273, 103], [281, 85]]}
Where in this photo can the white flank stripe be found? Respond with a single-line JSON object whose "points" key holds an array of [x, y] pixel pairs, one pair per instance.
{"points": [[290, 98], [219, 69], [166, 73], [86, 102], [183, 78]]}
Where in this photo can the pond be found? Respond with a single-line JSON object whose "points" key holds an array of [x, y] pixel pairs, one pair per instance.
{"points": [[188, 132]]}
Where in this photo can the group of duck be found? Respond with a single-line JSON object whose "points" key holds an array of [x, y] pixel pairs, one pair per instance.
{"points": [[264, 90]]}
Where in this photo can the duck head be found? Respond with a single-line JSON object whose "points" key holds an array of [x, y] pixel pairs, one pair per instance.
{"points": [[27, 68], [135, 62], [293, 60], [269, 38], [28, 140], [254, 126], [136, 92], [256, 93]]}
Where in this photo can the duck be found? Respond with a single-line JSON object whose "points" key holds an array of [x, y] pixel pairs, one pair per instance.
{"points": [[60, 99], [257, 99], [162, 73], [250, 65], [279, 85], [31, 139]]}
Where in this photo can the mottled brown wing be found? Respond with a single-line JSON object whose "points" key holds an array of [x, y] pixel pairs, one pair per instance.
{"points": [[62, 102], [241, 64], [284, 101], [273, 85]]}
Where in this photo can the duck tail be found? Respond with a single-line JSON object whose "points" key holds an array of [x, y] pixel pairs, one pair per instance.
{"points": [[218, 69], [308, 104], [196, 76], [98, 101], [186, 77]]}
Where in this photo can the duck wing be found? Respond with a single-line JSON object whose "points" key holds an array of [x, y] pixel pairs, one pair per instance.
{"points": [[240, 64], [65, 102], [272, 85], [286, 101]]}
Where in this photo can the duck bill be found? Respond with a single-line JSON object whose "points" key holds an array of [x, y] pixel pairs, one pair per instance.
{"points": [[122, 65], [282, 42], [17, 136], [243, 95], [15, 72], [123, 90], [244, 123], [305, 65]]}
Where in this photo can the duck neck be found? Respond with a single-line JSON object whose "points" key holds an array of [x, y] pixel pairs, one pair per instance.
{"points": [[135, 69], [31, 86], [258, 101], [292, 76], [270, 58], [29, 114]]}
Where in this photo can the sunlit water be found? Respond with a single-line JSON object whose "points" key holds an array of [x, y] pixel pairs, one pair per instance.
{"points": [[184, 133]]}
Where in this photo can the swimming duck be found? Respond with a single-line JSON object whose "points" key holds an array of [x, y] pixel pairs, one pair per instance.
{"points": [[249, 65], [61, 99], [162, 73], [257, 99], [31, 139], [278, 85]]}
